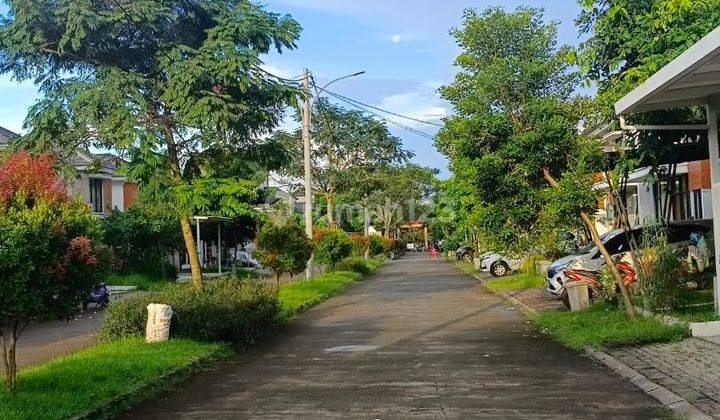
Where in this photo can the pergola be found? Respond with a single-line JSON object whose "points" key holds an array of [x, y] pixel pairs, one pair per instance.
{"points": [[692, 79], [200, 251]]}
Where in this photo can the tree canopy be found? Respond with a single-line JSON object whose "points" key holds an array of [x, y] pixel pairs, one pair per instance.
{"points": [[515, 116], [174, 78], [342, 141]]}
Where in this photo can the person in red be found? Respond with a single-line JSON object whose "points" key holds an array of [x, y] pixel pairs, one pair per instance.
{"points": [[433, 252]]}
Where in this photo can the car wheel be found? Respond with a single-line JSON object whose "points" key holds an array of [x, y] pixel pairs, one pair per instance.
{"points": [[467, 258], [499, 269]]}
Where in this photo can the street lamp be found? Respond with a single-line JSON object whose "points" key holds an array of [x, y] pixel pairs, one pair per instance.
{"points": [[306, 125]]}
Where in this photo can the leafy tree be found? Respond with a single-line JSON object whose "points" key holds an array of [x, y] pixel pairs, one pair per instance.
{"points": [[399, 192], [331, 246], [142, 236], [629, 40], [515, 128], [283, 248], [49, 250], [170, 78], [343, 140]]}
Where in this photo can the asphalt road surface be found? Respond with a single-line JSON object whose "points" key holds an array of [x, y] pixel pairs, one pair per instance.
{"points": [[418, 339]]}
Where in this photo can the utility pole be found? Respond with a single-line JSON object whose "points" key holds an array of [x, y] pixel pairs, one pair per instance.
{"points": [[306, 123]]}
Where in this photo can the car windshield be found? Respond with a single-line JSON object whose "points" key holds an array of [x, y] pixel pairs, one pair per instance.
{"points": [[590, 248]]}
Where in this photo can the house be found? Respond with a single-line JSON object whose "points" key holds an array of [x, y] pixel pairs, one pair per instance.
{"points": [[690, 197], [98, 183]]}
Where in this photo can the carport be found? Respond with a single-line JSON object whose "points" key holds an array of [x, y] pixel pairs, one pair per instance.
{"points": [[201, 252], [692, 79]]}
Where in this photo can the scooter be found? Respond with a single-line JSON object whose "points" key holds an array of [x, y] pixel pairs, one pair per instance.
{"points": [[627, 272], [100, 296]]}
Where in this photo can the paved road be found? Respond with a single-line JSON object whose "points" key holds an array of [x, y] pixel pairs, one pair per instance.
{"points": [[46, 340], [418, 339]]}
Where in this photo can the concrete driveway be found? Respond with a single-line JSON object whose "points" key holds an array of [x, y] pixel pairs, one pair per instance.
{"points": [[418, 339]]}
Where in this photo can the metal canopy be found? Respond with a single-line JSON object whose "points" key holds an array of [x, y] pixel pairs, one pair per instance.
{"points": [[693, 78]]}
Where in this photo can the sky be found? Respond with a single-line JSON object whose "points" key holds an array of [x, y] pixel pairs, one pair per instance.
{"points": [[404, 47]]}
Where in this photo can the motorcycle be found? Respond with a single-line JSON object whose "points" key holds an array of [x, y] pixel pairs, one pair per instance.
{"points": [[591, 278], [100, 296]]}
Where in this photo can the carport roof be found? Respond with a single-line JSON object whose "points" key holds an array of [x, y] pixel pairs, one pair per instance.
{"points": [[693, 78]]}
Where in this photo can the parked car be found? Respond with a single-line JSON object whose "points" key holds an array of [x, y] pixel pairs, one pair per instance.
{"points": [[555, 276], [498, 265], [244, 259], [617, 242], [465, 253]]}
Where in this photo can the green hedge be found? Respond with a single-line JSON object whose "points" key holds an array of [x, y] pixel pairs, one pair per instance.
{"points": [[228, 310], [358, 265]]}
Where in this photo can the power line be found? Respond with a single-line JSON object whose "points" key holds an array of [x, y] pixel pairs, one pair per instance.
{"points": [[382, 117], [385, 110]]}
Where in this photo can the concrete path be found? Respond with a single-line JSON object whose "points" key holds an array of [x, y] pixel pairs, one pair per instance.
{"points": [[45, 340], [419, 339]]}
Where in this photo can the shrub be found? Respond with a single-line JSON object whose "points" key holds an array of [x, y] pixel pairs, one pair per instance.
{"points": [[228, 309], [360, 244], [332, 246], [358, 265], [662, 279], [50, 255], [283, 248], [376, 245]]}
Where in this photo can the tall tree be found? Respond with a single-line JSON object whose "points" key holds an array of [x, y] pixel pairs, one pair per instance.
{"points": [[168, 76], [342, 140], [514, 132], [629, 40], [399, 192]]}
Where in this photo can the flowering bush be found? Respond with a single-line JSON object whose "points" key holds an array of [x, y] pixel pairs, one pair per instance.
{"points": [[283, 248], [49, 254], [359, 244]]}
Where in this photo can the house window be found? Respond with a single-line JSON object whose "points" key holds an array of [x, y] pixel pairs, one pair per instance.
{"points": [[698, 204], [96, 199]]}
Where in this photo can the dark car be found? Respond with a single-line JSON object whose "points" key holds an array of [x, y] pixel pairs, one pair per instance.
{"points": [[465, 253]]}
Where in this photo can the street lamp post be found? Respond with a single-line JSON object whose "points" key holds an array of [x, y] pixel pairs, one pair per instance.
{"points": [[306, 126]]}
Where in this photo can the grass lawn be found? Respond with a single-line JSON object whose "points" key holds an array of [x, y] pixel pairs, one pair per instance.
{"points": [[467, 267], [297, 296], [516, 282], [704, 313], [142, 281], [101, 378], [603, 325]]}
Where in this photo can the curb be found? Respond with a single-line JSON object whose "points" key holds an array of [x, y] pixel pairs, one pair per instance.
{"points": [[525, 309], [666, 397]]}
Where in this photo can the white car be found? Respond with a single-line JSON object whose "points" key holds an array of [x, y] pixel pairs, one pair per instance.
{"points": [[244, 259], [498, 265]]}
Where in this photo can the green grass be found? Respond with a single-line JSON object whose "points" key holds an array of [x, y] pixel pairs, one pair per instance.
{"points": [[603, 325], [104, 379], [298, 296], [704, 313], [467, 267], [142, 281], [516, 282]]}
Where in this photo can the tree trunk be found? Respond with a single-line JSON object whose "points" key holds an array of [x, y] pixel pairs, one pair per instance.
{"points": [[629, 310], [330, 209], [184, 219], [277, 281], [9, 344]]}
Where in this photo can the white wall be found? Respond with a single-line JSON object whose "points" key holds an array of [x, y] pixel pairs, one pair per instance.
{"points": [[117, 194]]}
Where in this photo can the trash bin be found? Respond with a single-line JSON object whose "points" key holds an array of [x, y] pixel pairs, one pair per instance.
{"points": [[578, 295], [158, 323]]}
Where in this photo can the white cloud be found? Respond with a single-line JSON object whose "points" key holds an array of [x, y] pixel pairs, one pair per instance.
{"points": [[422, 103], [396, 38]]}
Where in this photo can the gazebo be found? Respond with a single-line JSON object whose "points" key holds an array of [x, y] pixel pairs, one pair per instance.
{"points": [[200, 249], [692, 79]]}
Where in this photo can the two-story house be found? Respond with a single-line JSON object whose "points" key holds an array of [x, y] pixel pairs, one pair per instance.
{"points": [[98, 182]]}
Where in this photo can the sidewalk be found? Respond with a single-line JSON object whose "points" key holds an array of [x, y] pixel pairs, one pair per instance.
{"points": [[685, 373]]}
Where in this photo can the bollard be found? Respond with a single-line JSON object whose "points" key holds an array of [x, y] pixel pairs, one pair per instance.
{"points": [[578, 295], [158, 323]]}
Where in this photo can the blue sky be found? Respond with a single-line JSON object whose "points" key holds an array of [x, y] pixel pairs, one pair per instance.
{"points": [[402, 45]]}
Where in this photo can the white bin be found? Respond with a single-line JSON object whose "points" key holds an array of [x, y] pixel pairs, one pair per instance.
{"points": [[158, 323]]}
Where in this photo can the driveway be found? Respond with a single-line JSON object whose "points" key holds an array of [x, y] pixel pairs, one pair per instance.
{"points": [[418, 339]]}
